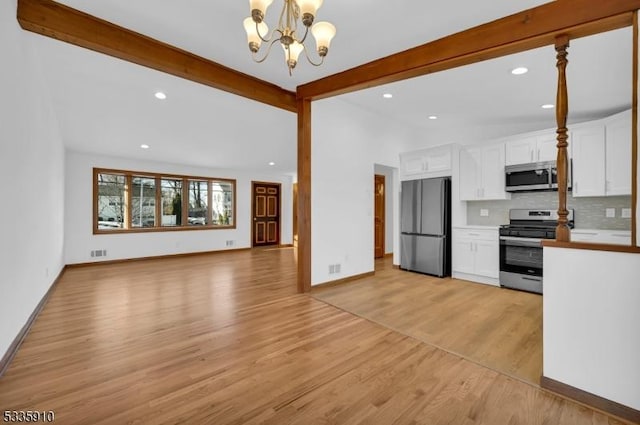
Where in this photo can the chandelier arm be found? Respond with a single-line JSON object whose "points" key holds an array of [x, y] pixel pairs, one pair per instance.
{"points": [[266, 39], [306, 32], [266, 54], [306, 53]]}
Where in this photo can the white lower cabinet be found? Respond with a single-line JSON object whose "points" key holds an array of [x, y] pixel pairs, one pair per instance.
{"points": [[616, 237], [476, 254]]}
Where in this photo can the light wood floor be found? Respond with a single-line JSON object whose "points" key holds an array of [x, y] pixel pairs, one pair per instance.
{"points": [[223, 339], [498, 328]]}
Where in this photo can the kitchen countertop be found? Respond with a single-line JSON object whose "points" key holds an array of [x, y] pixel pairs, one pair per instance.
{"points": [[476, 227], [622, 232]]}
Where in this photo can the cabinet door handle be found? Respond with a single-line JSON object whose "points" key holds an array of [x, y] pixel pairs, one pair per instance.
{"points": [[538, 154], [531, 155]]}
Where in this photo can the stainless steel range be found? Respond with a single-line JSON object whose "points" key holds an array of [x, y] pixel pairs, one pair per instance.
{"points": [[521, 247]]}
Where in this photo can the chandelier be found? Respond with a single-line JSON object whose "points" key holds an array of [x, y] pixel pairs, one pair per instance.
{"points": [[285, 33]]}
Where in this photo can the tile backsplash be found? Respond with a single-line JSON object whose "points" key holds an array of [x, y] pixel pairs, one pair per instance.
{"points": [[589, 212]]}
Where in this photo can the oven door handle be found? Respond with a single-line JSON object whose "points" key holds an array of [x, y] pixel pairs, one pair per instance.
{"points": [[516, 241]]}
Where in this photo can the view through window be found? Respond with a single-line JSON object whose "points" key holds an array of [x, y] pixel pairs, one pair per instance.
{"points": [[133, 201]]}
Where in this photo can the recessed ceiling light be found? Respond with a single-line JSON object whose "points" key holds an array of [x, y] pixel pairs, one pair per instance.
{"points": [[519, 71], [433, 117], [160, 95], [143, 146], [272, 163], [548, 106], [387, 95]]}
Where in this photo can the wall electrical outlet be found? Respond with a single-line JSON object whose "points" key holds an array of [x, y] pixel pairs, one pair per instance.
{"points": [[484, 212], [610, 213], [626, 213]]}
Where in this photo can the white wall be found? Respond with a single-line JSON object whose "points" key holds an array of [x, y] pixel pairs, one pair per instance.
{"points": [[79, 237], [390, 197], [346, 143], [592, 322], [32, 170]]}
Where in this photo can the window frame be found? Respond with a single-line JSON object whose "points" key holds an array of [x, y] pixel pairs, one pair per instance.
{"points": [[158, 177]]}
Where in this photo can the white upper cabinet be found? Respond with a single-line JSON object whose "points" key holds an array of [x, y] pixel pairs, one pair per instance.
{"points": [[547, 147], [602, 157], [618, 155], [493, 176], [434, 162], [482, 173], [588, 160], [521, 151], [528, 149], [470, 173]]}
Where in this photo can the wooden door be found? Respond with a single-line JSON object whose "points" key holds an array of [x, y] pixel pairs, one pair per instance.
{"points": [[266, 214], [295, 214], [379, 203]]}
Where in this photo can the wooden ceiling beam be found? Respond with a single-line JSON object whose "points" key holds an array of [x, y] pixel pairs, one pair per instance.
{"points": [[522, 31], [63, 23]]}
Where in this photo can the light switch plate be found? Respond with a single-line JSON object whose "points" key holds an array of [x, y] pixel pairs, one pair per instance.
{"points": [[484, 212], [610, 213], [626, 213]]}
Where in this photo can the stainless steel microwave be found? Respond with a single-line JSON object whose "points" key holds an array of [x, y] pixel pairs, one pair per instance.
{"points": [[533, 176]]}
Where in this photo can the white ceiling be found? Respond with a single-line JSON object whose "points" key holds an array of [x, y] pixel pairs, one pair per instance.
{"points": [[107, 106], [484, 100]]}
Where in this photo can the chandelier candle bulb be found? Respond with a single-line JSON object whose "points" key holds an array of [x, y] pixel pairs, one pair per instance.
{"points": [[292, 52], [308, 9], [323, 32], [259, 9], [254, 32]]}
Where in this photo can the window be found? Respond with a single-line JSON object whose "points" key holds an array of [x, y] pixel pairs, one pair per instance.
{"points": [[127, 201], [143, 205], [222, 203], [198, 201], [111, 201], [171, 202]]}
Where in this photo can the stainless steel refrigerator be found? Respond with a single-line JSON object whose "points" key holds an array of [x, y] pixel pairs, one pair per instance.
{"points": [[425, 226]]}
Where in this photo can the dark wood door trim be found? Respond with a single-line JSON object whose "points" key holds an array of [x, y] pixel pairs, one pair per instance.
{"points": [[55, 20], [253, 210], [379, 178], [294, 234]]}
